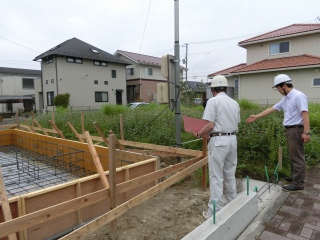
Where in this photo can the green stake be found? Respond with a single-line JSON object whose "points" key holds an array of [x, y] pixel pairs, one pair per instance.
{"points": [[214, 211], [255, 189], [266, 170]]}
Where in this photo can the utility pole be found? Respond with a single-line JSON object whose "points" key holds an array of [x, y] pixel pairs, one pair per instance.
{"points": [[177, 72]]}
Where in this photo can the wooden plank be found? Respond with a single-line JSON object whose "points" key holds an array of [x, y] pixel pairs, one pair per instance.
{"points": [[52, 212], [179, 151], [123, 208], [57, 129], [112, 178], [96, 160], [5, 204], [82, 122], [39, 126], [75, 132]]}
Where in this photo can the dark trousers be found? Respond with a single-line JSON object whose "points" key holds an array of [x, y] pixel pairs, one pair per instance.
{"points": [[297, 156]]}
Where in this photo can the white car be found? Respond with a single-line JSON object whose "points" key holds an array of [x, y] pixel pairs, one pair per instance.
{"points": [[134, 105]]}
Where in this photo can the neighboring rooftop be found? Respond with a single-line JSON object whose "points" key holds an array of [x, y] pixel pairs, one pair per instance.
{"points": [[77, 48], [294, 29], [227, 71], [140, 58], [19, 71]]}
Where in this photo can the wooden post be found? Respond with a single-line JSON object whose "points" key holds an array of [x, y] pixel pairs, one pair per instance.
{"points": [[112, 182], [42, 129], [204, 168], [57, 129], [117, 141], [5, 204], [121, 127], [75, 132], [280, 158], [82, 122], [96, 160]]}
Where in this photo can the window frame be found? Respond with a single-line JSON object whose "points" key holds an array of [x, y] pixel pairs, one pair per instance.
{"points": [[95, 82], [130, 71], [24, 85], [100, 63], [148, 71], [278, 45], [74, 60], [236, 85], [113, 73], [50, 97], [97, 98], [48, 60], [313, 82]]}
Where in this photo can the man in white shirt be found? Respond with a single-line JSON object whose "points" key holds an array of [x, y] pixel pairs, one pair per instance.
{"points": [[296, 123], [222, 114]]}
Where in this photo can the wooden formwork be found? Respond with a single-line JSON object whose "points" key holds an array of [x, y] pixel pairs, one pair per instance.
{"points": [[57, 210]]}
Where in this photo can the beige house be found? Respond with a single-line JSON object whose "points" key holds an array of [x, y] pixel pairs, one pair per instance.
{"points": [[90, 75], [293, 50], [143, 75], [17, 88]]}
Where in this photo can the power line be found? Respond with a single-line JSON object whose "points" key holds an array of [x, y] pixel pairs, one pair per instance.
{"points": [[19, 44]]}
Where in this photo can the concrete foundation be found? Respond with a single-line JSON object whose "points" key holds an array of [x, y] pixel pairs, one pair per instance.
{"points": [[230, 220]]}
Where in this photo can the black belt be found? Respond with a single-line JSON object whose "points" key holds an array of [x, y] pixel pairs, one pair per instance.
{"points": [[215, 134], [294, 126]]}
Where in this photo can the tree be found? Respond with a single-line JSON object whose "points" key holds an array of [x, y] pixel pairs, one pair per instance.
{"points": [[62, 100]]}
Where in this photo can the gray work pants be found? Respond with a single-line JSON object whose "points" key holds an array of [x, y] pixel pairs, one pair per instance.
{"points": [[297, 156], [222, 163]]}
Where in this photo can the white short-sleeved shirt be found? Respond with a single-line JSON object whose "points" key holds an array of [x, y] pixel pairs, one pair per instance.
{"points": [[292, 105], [224, 112]]}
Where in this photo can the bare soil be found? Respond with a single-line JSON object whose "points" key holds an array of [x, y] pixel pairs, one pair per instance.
{"points": [[169, 215]]}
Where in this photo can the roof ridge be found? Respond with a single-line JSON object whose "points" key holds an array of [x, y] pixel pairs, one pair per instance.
{"points": [[138, 54]]}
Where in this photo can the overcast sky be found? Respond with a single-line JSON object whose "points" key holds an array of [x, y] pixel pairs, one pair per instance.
{"points": [[211, 28]]}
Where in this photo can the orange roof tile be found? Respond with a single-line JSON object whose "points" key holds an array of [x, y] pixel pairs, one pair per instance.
{"points": [[285, 31], [278, 63], [228, 70]]}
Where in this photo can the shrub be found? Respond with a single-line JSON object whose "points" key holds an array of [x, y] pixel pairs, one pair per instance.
{"points": [[62, 100]]}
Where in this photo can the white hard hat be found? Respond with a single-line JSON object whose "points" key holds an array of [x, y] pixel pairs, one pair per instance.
{"points": [[281, 78], [219, 81]]}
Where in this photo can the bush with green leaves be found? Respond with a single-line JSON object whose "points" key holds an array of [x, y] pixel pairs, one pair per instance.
{"points": [[62, 100]]}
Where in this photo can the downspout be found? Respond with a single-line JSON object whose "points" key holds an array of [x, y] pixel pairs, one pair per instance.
{"points": [[56, 63]]}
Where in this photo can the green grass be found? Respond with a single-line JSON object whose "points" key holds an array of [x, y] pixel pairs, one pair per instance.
{"points": [[258, 142]]}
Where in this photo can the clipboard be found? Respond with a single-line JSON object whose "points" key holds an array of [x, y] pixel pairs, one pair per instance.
{"points": [[193, 124]]}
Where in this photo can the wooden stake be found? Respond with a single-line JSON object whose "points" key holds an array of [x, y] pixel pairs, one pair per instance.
{"points": [[82, 122], [57, 129], [96, 160], [280, 158], [5, 204], [42, 129], [204, 168], [32, 129], [106, 141], [112, 179], [117, 141], [75, 132], [121, 127]]}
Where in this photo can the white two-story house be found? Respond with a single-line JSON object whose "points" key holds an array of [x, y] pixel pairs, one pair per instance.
{"points": [[293, 50], [17, 90], [90, 75]]}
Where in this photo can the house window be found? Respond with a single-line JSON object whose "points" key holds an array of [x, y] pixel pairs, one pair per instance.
{"points": [[47, 81], [74, 60], [48, 60], [316, 82], [236, 85], [101, 96], [113, 73], [95, 81], [27, 83], [50, 97], [52, 80], [277, 48], [99, 63], [148, 71], [130, 71], [105, 82]]}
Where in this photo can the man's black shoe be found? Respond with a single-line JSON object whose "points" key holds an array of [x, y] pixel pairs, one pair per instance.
{"points": [[291, 188], [287, 179]]}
